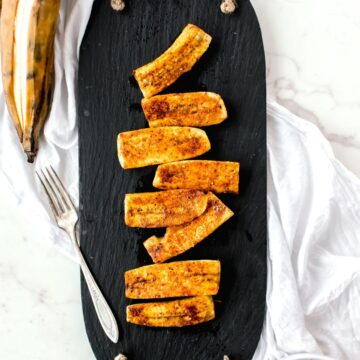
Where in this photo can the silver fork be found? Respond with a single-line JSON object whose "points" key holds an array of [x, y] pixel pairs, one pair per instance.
{"points": [[66, 218]]}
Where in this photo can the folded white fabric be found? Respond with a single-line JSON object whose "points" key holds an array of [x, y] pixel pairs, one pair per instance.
{"points": [[313, 211], [313, 305]]}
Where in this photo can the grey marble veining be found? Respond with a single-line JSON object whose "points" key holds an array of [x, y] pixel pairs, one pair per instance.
{"points": [[312, 56]]}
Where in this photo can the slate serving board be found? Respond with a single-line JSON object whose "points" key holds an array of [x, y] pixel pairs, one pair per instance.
{"points": [[108, 103]]}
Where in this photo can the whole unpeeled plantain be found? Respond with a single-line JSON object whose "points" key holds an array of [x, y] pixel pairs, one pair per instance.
{"points": [[27, 56]]}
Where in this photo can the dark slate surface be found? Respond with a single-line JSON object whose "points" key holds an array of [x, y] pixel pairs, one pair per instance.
{"points": [[108, 103]]}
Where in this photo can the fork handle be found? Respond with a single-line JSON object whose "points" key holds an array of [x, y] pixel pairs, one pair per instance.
{"points": [[103, 311]]}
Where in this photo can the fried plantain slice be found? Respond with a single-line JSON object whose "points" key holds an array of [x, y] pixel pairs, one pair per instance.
{"points": [[146, 147], [175, 313], [164, 208], [206, 175], [178, 239], [179, 58], [176, 279], [188, 109]]}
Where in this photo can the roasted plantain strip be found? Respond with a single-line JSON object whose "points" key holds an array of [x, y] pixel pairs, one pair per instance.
{"points": [[27, 56], [188, 109], [206, 175], [176, 313], [176, 279], [178, 59], [178, 239], [164, 208], [146, 147]]}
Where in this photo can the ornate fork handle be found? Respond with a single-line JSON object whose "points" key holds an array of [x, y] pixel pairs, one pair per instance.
{"points": [[103, 311], [66, 217]]}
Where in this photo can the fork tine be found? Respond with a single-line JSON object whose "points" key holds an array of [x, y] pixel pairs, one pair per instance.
{"points": [[61, 188], [57, 190], [48, 193], [55, 193]]}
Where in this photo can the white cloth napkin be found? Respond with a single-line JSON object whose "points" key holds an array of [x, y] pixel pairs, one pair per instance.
{"points": [[313, 294], [313, 306]]}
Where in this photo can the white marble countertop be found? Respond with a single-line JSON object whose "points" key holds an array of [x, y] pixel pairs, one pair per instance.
{"points": [[313, 55]]}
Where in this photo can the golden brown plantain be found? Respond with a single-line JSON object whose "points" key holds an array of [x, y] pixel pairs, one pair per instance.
{"points": [[206, 175], [177, 60], [178, 239], [146, 147], [164, 208], [188, 109], [27, 56], [181, 278], [176, 313]]}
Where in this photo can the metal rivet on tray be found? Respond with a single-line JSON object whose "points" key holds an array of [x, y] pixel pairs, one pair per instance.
{"points": [[118, 5], [228, 6], [121, 357]]}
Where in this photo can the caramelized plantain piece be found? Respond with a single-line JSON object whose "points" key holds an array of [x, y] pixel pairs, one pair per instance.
{"points": [[178, 239], [164, 208], [177, 60], [206, 175], [188, 109], [181, 278], [176, 313], [146, 147]]}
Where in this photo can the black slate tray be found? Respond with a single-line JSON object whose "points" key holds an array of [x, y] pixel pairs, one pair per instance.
{"points": [[108, 103]]}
